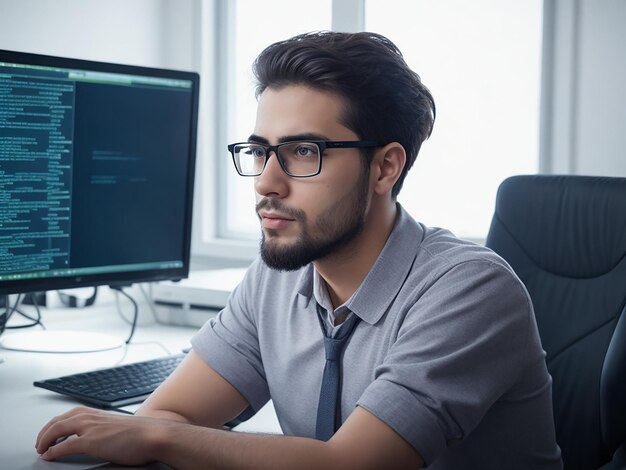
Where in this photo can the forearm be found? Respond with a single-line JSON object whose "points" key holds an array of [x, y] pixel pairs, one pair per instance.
{"points": [[189, 447], [195, 393], [362, 442]]}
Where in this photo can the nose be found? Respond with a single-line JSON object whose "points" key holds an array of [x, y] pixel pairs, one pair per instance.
{"points": [[273, 181]]}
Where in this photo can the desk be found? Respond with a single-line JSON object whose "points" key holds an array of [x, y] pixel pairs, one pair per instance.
{"points": [[24, 409]]}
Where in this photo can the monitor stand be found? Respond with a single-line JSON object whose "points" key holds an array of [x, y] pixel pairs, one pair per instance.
{"points": [[60, 341]]}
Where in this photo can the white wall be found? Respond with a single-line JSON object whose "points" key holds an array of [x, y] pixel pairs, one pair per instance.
{"points": [[139, 32], [584, 120]]}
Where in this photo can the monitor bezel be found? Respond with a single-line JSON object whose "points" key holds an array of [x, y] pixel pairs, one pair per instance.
{"points": [[123, 278]]}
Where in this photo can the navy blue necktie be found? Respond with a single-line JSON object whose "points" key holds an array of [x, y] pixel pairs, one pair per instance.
{"points": [[328, 409]]}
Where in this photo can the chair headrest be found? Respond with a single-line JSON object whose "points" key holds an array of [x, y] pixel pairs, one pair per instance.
{"points": [[566, 204]]}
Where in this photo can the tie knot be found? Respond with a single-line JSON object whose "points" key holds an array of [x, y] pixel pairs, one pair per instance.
{"points": [[334, 347]]}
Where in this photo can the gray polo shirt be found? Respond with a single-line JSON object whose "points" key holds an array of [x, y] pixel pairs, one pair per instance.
{"points": [[446, 353]]}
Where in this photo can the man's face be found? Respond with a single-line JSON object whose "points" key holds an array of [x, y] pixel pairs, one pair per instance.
{"points": [[306, 219]]}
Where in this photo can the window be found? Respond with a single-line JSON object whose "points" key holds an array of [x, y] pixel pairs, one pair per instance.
{"points": [[256, 25], [480, 59]]}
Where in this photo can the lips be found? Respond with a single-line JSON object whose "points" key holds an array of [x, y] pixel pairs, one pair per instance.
{"points": [[274, 221]]}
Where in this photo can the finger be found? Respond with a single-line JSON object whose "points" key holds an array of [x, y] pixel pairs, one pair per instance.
{"points": [[70, 446], [60, 430], [56, 419], [46, 427], [53, 436]]}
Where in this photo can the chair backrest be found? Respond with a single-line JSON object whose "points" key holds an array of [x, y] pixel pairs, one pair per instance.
{"points": [[565, 237]]}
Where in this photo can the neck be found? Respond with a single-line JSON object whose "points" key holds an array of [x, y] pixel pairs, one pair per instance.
{"points": [[345, 270]]}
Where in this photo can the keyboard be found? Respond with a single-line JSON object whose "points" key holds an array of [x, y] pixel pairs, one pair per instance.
{"points": [[116, 386]]}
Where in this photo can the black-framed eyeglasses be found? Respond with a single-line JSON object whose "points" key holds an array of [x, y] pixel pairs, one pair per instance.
{"points": [[300, 159]]}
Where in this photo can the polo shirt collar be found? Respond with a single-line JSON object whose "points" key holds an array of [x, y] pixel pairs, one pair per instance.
{"points": [[387, 274], [382, 284]]}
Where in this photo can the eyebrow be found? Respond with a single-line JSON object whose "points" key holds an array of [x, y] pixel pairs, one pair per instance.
{"points": [[288, 138]]}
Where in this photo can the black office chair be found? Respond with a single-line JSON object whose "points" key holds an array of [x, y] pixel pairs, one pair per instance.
{"points": [[565, 237]]}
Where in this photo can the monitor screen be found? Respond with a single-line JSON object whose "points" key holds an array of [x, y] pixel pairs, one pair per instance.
{"points": [[96, 172]]}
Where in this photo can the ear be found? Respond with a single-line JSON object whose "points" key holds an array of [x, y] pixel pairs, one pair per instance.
{"points": [[387, 166]]}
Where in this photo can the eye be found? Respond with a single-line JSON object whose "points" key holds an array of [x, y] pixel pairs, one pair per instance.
{"points": [[256, 152], [306, 150]]}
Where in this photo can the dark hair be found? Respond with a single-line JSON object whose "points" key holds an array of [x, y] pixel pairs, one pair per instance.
{"points": [[385, 100]]}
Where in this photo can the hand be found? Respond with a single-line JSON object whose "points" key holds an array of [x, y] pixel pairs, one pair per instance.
{"points": [[125, 440]]}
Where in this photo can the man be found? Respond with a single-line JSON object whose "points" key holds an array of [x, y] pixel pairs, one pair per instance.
{"points": [[383, 343]]}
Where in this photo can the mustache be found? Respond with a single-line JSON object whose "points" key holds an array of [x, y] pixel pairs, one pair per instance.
{"points": [[274, 204]]}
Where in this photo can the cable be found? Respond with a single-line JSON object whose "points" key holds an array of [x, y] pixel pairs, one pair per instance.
{"points": [[34, 321], [11, 310], [146, 321], [135, 314], [4, 317], [38, 320], [118, 307]]}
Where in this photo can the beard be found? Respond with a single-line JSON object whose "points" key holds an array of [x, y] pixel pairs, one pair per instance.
{"points": [[332, 230]]}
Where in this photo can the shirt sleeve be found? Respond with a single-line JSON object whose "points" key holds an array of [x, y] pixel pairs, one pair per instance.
{"points": [[461, 346], [229, 342]]}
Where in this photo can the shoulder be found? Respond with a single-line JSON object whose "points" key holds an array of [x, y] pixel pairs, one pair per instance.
{"points": [[443, 246], [460, 293], [434, 251], [454, 275], [427, 268], [442, 254]]}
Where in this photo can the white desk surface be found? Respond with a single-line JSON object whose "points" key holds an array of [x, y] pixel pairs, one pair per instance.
{"points": [[24, 409]]}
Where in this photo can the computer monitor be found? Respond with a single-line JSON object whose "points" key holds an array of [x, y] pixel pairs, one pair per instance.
{"points": [[96, 172]]}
